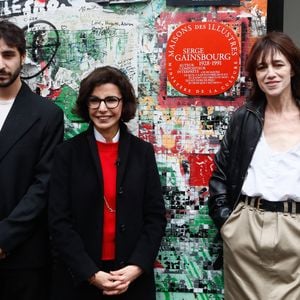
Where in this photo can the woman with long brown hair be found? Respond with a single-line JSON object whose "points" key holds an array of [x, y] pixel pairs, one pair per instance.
{"points": [[255, 188]]}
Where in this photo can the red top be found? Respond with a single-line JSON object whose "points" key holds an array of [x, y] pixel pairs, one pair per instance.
{"points": [[108, 153]]}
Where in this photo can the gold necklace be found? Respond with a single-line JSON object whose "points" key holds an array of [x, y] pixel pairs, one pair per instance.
{"points": [[107, 206]]}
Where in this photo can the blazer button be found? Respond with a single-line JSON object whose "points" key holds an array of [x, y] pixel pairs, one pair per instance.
{"points": [[121, 191], [123, 228], [71, 273]]}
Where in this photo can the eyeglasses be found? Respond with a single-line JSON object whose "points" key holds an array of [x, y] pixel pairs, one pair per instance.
{"points": [[110, 102]]}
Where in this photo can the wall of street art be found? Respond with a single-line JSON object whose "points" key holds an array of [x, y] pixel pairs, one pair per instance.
{"points": [[66, 39]]}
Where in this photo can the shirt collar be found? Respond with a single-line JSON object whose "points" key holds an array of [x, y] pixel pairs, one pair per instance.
{"points": [[100, 138]]}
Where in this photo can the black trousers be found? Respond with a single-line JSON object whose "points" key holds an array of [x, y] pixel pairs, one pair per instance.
{"points": [[24, 284]]}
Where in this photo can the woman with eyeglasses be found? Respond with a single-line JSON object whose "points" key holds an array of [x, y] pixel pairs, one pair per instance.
{"points": [[106, 210]]}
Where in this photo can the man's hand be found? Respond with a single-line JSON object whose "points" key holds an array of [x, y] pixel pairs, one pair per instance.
{"points": [[2, 254]]}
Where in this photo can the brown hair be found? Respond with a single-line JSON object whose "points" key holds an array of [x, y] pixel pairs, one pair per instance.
{"points": [[13, 36], [274, 42], [101, 76]]}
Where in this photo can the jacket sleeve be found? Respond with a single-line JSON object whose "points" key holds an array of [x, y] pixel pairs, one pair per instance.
{"points": [[219, 204], [64, 237], [20, 223], [154, 225]]}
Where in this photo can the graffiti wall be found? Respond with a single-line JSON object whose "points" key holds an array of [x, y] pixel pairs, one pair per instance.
{"points": [[66, 39]]}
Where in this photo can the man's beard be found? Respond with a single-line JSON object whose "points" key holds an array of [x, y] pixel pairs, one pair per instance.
{"points": [[11, 79]]}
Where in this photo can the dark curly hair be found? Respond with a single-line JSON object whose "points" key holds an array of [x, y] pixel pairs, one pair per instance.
{"points": [[272, 43], [103, 75], [13, 36]]}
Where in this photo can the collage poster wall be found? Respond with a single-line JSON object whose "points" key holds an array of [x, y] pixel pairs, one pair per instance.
{"points": [[66, 39]]}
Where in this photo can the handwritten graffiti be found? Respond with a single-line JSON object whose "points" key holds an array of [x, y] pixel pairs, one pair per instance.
{"points": [[42, 45]]}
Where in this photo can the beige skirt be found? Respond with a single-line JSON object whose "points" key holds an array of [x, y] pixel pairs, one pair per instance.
{"points": [[261, 255]]}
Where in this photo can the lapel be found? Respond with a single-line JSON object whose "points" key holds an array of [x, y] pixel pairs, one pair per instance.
{"points": [[94, 151], [123, 152], [124, 147], [19, 120]]}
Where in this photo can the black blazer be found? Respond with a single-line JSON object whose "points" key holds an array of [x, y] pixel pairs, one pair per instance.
{"points": [[31, 131], [76, 205]]}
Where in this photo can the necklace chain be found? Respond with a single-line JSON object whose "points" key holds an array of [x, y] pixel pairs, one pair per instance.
{"points": [[108, 206]]}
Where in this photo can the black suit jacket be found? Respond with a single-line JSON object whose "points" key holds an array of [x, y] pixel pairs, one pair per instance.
{"points": [[76, 205], [31, 131]]}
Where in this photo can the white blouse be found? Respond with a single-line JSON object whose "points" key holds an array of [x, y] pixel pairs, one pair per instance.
{"points": [[272, 175]]}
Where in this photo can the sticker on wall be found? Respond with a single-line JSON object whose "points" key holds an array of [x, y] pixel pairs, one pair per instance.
{"points": [[202, 58]]}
